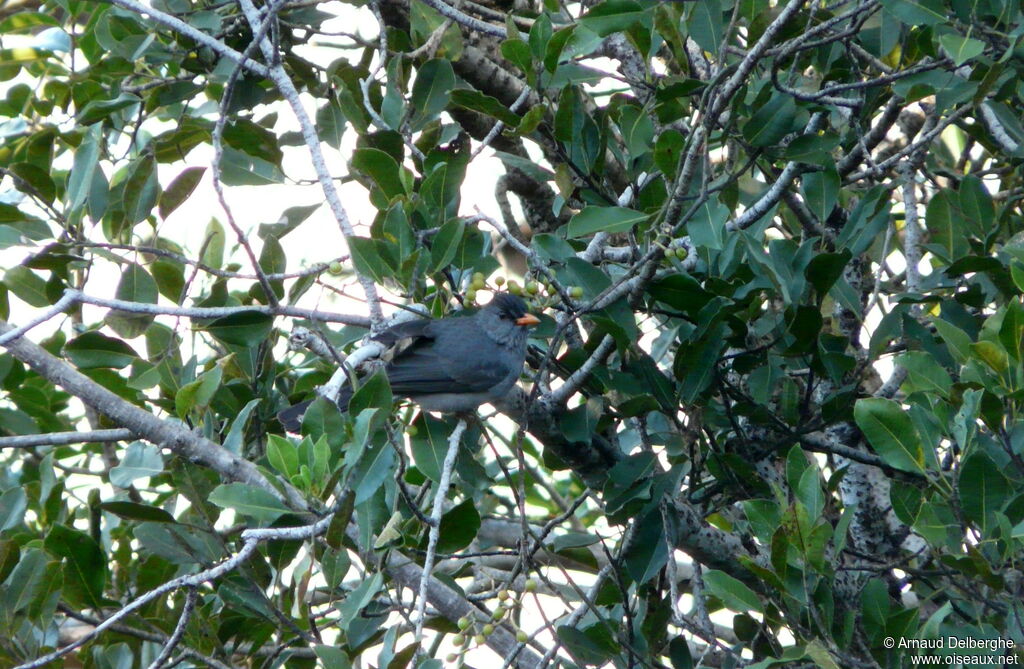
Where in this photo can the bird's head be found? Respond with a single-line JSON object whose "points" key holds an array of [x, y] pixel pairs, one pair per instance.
{"points": [[506, 317], [512, 308]]}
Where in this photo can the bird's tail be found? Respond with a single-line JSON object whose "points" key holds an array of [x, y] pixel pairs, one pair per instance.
{"points": [[291, 417]]}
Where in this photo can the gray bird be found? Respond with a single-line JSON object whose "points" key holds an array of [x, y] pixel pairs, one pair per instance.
{"points": [[451, 365]]}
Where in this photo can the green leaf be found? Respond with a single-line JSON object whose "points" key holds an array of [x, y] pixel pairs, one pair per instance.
{"points": [[517, 52], [647, 553], [85, 572], [917, 12], [357, 600], [367, 258], [445, 244], [1011, 332], [248, 500], [891, 433], [238, 168], [141, 190], [612, 16], [13, 503], [373, 393], [214, 240], [983, 488], [957, 341], [707, 227], [332, 657], [381, 168], [282, 455], [25, 582], [197, 395], [825, 269], [97, 110], [706, 26], [28, 286], [459, 527], [528, 167], [246, 328], [924, 374], [179, 189], [233, 440], [595, 219], [555, 46], [35, 179], [771, 122], [679, 653], [961, 49], [136, 285], [992, 354], [668, 149], [593, 646], [377, 464], [93, 350], [485, 104], [733, 592], [140, 460], [946, 224], [813, 149], [821, 191], [820, 655], [330, 122], [430, 445], [540, 34], [694, 365], [431, 92], [976, 204], [135, 511]]}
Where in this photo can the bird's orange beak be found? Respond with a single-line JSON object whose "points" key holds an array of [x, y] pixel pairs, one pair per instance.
{"points": [[528, 319]]}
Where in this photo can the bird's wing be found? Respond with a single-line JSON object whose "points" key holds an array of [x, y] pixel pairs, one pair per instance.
{"points": [[447, 358], [398, 338]]}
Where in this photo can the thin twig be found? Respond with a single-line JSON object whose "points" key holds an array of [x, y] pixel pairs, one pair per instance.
{"points": [[251, 540], [64, 438], [218, 152], [561, 394], [179, 629], [446, 10], [59, 306], [218, 312], [435, 528], [286, 87]]}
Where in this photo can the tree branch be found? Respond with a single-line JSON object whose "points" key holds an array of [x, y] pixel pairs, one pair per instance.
{"points": [[64, 438]]}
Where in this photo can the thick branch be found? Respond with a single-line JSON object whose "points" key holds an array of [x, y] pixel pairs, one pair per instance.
{"points": [[169, 434]]}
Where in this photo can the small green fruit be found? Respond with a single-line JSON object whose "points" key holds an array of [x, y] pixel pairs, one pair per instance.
{"points": [[471, 295], [488, 629], [499, 280], [522, 637], [480, 639], [681, 253], [503, 595], [452, 658], [530, 585], [464, 623], [335, 268], [533, 288], [498, 614], [459, 639], [576, 292]]}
